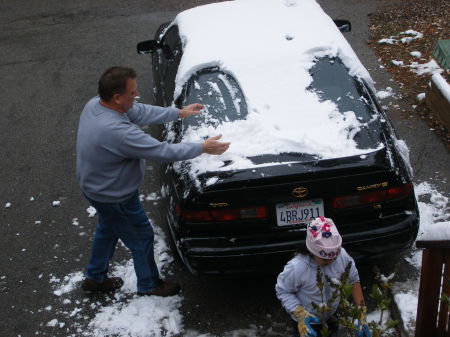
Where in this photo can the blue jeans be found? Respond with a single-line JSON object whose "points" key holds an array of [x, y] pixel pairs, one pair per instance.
{"points": [[128, 222]]}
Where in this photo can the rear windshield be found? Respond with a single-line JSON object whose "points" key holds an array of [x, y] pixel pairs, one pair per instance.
{"points": [[331, 81], [224, 101], [219, 93]]}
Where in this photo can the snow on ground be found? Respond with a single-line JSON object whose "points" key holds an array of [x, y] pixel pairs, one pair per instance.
{"points": [[434, 211], [69, 283], [430, 67], [91, 211], [407, 303], [382, 94], [417, 54], [421, 96], [138, 316], [376, 316], [126, 314], [402, 37], [397, 63]]}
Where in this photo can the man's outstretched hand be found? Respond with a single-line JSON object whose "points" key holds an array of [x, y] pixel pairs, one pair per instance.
{"points": [[191, 109], [213, 146]]}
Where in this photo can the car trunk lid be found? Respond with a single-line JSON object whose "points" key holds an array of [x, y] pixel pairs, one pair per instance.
{"points": [[256, 198]]}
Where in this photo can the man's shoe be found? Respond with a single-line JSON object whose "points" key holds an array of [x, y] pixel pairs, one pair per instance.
{"points": [[163, 288], [110, 284]]}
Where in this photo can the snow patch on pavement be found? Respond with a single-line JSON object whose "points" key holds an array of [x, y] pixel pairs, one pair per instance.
{"points": [[69, 283], [382, 94], [91, 211], [124, 314], [408, 304], [138, 317]]}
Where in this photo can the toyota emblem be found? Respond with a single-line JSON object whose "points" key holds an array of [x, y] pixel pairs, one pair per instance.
{"points": [[300, 192]]}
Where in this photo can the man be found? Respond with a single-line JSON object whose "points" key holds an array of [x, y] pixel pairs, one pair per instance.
{"points": [[111, 153]]}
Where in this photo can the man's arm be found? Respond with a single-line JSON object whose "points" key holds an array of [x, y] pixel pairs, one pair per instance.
{"points": [[145, 114], [138, 144]]}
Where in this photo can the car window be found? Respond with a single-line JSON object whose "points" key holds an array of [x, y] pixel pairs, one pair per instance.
{"points": [[170, 60], [219, 93]]}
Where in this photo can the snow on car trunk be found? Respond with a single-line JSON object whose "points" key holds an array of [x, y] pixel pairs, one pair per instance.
{"points": [[268, 47]]}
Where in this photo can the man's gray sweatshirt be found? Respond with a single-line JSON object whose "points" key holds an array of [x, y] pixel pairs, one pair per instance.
{"points": [[111, 149]]}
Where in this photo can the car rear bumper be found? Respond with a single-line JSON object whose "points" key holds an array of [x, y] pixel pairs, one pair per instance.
{"points": [[205, 256]]}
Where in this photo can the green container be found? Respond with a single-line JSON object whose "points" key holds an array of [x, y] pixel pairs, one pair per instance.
{"points": [[442, 53]]}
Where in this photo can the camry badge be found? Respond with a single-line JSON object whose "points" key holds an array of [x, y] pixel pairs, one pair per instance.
{"points": [[218, 204], [373, 186], [300, 192]]}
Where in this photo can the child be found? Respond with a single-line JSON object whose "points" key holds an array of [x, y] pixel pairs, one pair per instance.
{"points": [[297, 286]]}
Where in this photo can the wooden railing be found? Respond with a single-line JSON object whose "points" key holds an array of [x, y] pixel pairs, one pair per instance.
{"points": [[432, 312]]}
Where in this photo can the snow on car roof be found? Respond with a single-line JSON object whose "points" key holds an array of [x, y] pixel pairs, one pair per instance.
{"points": [[268, 47]]}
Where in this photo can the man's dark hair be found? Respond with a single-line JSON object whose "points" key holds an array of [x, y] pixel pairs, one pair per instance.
{"points": [[114, 81]]}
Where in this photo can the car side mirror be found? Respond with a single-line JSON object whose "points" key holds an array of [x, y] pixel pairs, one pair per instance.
{"points": [[343, 25], [147, 47]]}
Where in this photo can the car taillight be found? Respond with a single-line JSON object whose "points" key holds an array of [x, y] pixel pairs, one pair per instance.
{"points": [[400, 191], [222, 214], [372, 197], [197, 216]]}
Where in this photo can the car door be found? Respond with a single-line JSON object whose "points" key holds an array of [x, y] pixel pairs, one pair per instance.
{"points": [[157, 77], [169, 59]]}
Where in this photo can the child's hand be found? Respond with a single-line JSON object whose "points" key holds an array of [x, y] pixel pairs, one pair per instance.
{"points": [[304, 320]]}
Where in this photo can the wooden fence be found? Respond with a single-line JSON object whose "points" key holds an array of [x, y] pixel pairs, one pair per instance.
{"points": [[432, 312]]}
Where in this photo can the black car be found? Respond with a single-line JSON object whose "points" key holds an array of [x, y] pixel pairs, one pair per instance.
{"points": [[254, 219]]}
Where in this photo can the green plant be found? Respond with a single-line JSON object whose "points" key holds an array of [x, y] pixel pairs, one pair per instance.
{"points": [[341, 290]]}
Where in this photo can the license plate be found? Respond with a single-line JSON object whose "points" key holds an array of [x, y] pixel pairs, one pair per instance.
{"points": [[298, 212]]}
